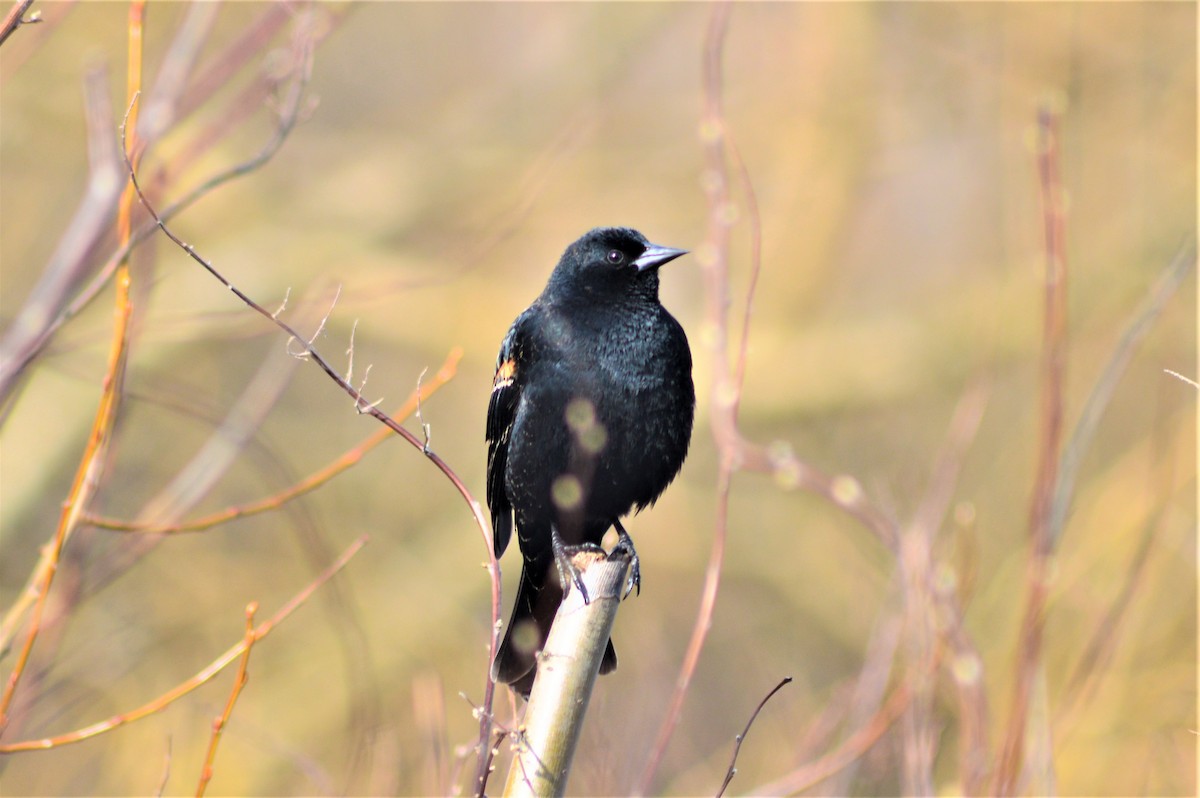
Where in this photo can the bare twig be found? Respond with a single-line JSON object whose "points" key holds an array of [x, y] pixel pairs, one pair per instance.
{"points": [[755, 222], [1106, 385], [176, 69], [966, 670], [87, 474], [203, 676], [311, 353], [924, 601], [45, 22], [1054, 354], [28, 334], [867, 690], [166, 772], [224, 65], [714, 261], [239, 681], [735, 453], [853, 747], [15, 18], [420, 418], [1103, 639], [1179, 376], [489, 760], [737, 741], [306, 485], [223, 447], [18, 354]]}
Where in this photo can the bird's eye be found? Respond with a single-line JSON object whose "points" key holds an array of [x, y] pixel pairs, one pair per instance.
{"points": [[616, 257]]}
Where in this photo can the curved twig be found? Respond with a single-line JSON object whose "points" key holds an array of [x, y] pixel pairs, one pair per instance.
{"points": [[737, 744], [310, 353]]}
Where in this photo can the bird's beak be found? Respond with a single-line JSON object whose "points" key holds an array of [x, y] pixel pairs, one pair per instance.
{"points": [[656, 256]]}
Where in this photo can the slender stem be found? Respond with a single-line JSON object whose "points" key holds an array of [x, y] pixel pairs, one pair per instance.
{"points": [[88, 473], [239, 681], [724, 389], [203, 676], [1054, 353], [731, 771], [15, 18]]}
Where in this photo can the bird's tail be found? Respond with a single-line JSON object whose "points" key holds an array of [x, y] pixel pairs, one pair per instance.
{"points": [[538, 597]]}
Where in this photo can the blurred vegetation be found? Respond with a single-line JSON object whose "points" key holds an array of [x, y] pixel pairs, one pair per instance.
{"points": [[455, 150]]}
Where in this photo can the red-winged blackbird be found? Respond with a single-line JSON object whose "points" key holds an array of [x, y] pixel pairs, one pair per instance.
{"points": [[590, 417]]}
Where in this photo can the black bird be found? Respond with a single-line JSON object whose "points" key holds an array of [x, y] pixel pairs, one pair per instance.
{"points": [[590, 418]]}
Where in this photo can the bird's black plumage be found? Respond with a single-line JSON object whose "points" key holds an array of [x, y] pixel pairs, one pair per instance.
{"points": [[590, 418]]}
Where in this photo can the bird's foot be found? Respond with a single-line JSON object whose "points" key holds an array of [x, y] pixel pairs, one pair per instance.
{"points": [[625, 545], [568, 573]]}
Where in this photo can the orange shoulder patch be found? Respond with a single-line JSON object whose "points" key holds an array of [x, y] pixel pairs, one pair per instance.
{"points": [[505, 374]]}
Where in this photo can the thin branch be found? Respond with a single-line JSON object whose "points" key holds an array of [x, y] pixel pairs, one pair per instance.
{"points": [[16, 18], [488, 761], [755, 220], [473, 506], [308, 351], [44, 23], [177, 67], [737, 743], [166, 772], [1102, 392], [222, 66], [425, 427], [925, 601], [219, 723], [192, 481], [204, 675], [1179, 376], [868, 689], [1054, 355], [18, 355], [1103, 639], [853, 747], [715, 262], [735, 452], [87, 474], [964, 425], [28, 333], [310, 483]]}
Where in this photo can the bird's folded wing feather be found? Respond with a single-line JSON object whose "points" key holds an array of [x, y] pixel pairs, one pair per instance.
{"points": [[502, 410]]}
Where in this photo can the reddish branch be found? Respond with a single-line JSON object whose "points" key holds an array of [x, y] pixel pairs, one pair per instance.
{"points": [[26, 341], [239, 681], [306, 485], [723, 390], [308, 352], [87, 473], [205, 675], [1054, 353], [735, 453], [15, 19]]}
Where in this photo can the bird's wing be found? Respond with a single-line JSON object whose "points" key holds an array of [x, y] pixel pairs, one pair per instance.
{"points": [[502, 411]]}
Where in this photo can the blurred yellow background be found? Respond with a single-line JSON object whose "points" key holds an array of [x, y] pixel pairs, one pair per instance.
{"points": [[454, 150]]}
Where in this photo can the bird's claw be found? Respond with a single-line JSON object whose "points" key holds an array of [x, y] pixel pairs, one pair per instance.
{"points": [[625, 545], [568, 573]]}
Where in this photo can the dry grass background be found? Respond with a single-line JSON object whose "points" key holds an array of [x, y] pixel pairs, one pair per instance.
{"points": [[455, 150]]}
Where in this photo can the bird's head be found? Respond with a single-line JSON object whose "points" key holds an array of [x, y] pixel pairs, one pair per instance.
{"points": [[611, 261]]}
